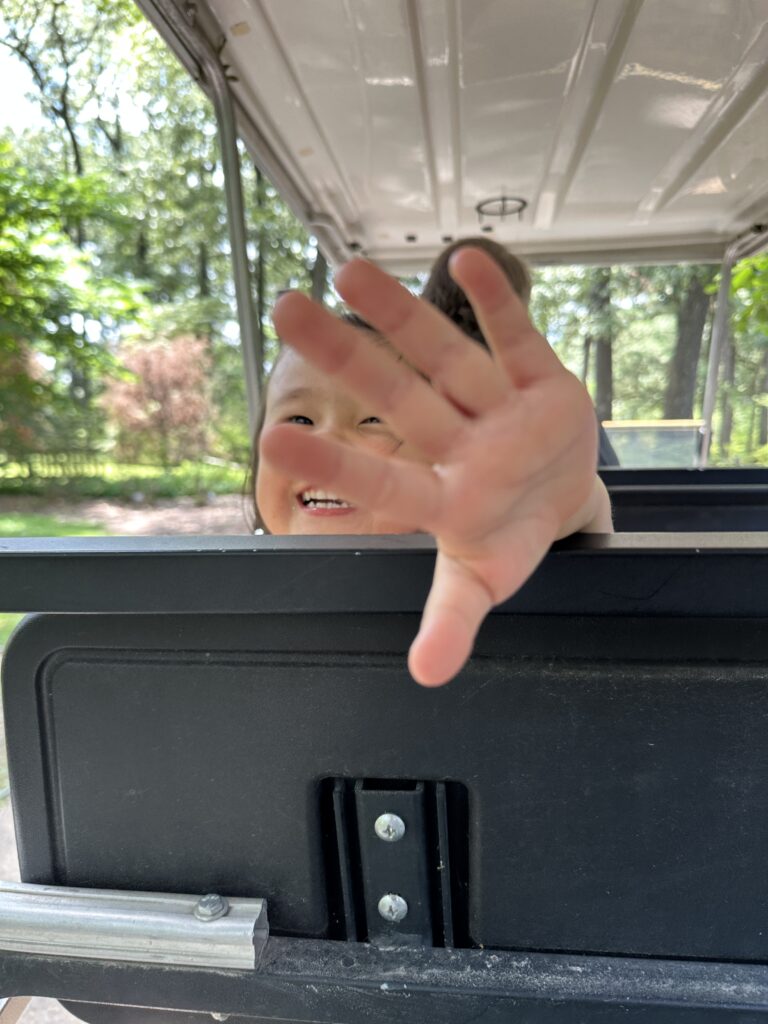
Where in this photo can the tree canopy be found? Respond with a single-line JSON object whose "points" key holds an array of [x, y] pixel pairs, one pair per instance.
{"points": [[113, 243]]}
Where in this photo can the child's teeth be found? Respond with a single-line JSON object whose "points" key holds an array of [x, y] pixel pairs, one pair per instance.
{"points": [[319, 498]]}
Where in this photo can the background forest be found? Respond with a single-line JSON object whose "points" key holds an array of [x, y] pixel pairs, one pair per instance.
{"points": [[120, 367]]}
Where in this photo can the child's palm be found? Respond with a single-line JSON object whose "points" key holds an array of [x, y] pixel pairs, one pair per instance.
{"points": [[510, 441]]}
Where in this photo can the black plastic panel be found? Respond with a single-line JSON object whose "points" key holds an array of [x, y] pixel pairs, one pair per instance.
{"points": [[742, 476], [669, 500], [616, 768]]}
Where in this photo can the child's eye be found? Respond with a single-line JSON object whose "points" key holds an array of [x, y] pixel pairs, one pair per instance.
{"points": [[303, 421], [371, 419]]}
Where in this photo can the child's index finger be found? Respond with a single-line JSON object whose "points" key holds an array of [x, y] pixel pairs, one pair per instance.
{"points": [[524, 353], [414, 410], [455, 366]]}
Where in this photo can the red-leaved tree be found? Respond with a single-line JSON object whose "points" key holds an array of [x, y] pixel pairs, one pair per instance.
{"points": [[162, 407]]}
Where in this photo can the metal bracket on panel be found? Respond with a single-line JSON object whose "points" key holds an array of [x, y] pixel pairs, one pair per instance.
{"points": [[397, 861], [134, 927], [394, 859]]}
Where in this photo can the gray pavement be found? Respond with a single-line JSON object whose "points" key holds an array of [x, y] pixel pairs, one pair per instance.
{"points": [[39, 1011]]}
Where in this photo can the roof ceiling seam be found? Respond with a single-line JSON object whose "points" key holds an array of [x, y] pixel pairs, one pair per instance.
{"points": [[347, 6], [353, 209], [720, 120], [613, 56], [454, 85], [755, 212], [543, 212], [417, 56]]}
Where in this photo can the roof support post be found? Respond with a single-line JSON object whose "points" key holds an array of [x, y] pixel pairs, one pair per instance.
{"points": [[750, 243], [720, 328], [181, 23]]}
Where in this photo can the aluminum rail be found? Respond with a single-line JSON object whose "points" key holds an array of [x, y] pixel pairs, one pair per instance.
{"points": [[132, 927], [182, 26]]}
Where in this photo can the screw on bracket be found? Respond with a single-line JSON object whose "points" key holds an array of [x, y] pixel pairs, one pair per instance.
{"points": [[393, 907], [389, 827]]}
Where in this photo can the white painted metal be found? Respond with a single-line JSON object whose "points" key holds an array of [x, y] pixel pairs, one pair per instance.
{"points": [[635, 129], [135, 927]]}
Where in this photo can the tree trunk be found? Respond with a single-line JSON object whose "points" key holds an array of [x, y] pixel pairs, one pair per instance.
{"points": [[681, 384], [319, 277], [142, 254], [261, 279], [203, 280], [726, 406], [600, 314], [762, 417], [585, 359]]}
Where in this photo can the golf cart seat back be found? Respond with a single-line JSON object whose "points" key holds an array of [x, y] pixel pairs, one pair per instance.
{"points": [[573, 829], [694, 500]]}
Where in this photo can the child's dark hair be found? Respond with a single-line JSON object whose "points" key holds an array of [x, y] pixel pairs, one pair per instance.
{"points": [[443, 292], [252, 514]]}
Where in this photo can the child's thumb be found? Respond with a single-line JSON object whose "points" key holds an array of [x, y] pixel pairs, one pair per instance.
{"points": [[457, 604]]}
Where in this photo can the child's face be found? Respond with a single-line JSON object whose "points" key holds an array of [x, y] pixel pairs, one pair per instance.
{"points": [[300, 394]]}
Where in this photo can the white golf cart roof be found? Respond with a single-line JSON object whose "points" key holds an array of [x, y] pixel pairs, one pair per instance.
{"points": [[633, 129]]}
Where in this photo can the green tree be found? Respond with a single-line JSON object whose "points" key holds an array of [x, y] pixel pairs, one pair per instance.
{"points": [[43, 283]]}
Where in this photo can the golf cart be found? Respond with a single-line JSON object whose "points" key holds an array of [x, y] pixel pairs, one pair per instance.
{"points": [[230, 798]]}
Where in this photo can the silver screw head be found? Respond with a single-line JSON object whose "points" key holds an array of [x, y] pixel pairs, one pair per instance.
{"points": [[220, 1016], [393, 907], [389, 827], [211, 907]]}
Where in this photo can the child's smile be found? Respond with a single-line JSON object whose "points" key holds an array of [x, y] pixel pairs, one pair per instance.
{"points": [[318, 502]]}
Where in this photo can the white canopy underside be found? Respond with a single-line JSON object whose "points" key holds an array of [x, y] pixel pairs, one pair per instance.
{"points": [[634, 129]]}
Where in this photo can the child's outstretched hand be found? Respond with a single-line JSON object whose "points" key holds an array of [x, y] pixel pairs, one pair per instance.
{"points": [[509, 439]]}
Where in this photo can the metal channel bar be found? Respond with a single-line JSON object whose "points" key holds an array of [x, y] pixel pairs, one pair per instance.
{"points": [[132, 927]]}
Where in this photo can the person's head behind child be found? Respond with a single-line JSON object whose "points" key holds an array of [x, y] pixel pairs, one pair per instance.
{"points": [[300, 394], [442, 291]]}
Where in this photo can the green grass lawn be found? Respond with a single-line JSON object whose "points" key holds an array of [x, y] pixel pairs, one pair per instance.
{"points": [[17, 524], [7, 621], [117, 480]]}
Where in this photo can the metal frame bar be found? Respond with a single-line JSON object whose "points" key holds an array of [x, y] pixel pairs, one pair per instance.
{"points": [[720, 330], [746, 245], [132, 927], [169, 19], [655, 574], [323, 982]]}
